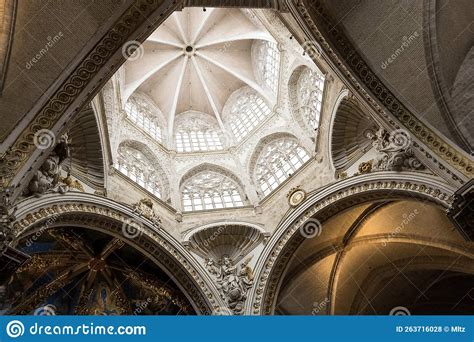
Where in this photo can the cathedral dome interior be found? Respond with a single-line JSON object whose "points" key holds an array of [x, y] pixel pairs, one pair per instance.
{"points": [[248, 157]]}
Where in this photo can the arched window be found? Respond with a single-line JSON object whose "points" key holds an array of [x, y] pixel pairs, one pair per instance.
{"points": [[277, 161], [310, 95], [248, 110], [194, 135], [267, 58], [141, 113], [136, 166], [210, 190]]}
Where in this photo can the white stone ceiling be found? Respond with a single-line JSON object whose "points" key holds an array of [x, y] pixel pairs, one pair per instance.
{"points": [[195, 61]]}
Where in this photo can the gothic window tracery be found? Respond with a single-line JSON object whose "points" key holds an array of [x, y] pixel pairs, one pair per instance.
{"points": [[210, 190], [194, 135], [248, 110], [141, 113], [310, 89], [277, 161], [136, 166], [267, 58]]}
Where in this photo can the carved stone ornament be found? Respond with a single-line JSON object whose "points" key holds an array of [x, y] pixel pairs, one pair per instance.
{"points": [[232, 281], [71, 183], [365, 167], [145, 208], [47, 177], [7, 216], [394, 151], [296, 196]]}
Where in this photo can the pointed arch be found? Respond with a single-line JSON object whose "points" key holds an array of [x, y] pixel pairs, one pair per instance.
{"points": [[244, 111], [142, 111], [275, 158], [209, 186], [197, 132], [136, 161], [266, 64], [306, 90]]}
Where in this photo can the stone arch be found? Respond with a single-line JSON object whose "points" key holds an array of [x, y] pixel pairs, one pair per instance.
{"points": [[325, 204], [348, 125], [152, 112], [34, 216], [261, 144], [197, 121], [152, 158], [236, 187], [264, 190], [212, 167], [295, 105]]}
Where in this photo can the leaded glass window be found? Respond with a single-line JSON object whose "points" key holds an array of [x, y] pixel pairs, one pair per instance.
{"points": [[195, 135], [141, 113], [210, 190], [277, 161], [268, 64], [246, 113], [310, 95], [134, 164]]}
